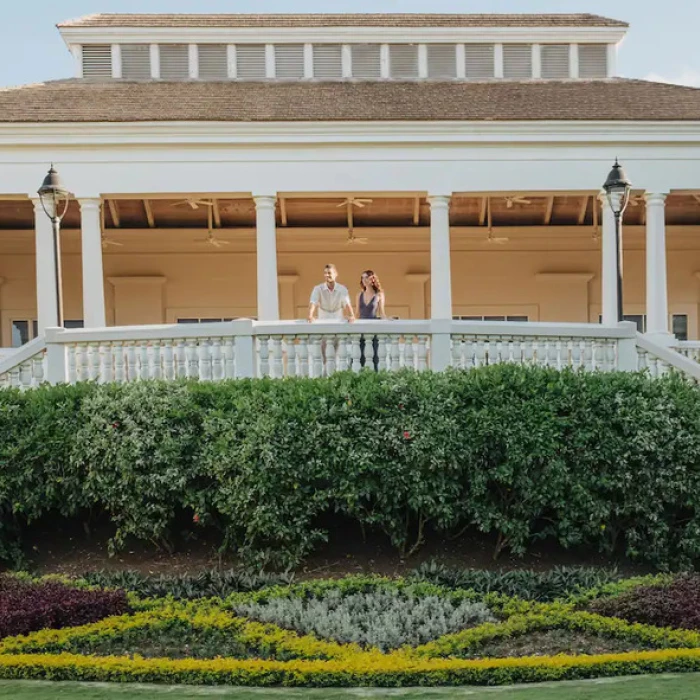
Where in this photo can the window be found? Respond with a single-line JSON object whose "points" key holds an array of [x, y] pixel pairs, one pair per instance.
{"points": [[328, 61], [479, 61], [213, 63], [403, 60], [289, 60], [513, 319], [366, 61], [185, 321], [174, 62], [136, 61], [250, 61], [24, 330], [442, 61], [517, 61], [555, 61], [97, 61], [679, 324], [593, 60]]}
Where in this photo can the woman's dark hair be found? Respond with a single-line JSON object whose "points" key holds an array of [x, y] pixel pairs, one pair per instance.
{"points": [[373, 281]]}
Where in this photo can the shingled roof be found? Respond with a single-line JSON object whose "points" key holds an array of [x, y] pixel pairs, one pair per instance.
{"points": [[616, 99], [342, 20]]}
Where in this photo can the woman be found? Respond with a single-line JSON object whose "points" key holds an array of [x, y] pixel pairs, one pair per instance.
{"points": [[370, 307]]}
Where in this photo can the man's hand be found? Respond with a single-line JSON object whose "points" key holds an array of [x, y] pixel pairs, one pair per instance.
{"points": [[351, 319]]}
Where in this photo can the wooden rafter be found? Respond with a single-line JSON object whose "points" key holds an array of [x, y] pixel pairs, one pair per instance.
{"points": [[210, 219], [283, 211], [582, 210], [548, 213], [149, 214], [416, 211], [217, 213], [482, 211], [114, 210], [350, 218]]}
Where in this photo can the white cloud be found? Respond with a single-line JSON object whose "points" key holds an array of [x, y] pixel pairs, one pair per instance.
{"points": [[687, 76]]}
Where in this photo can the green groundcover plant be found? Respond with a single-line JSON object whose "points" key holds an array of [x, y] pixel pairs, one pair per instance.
{"points": [[603, 460]]}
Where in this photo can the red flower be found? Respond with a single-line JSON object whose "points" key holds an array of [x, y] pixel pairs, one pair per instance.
{"points": [[116, 424], [401, 406], [406, 435], [195, 518]]}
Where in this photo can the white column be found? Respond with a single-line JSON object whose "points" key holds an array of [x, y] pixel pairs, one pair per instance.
{"points": [[93, 276], [268, 293], [308, 61], [657, 288], [609, 268], [193, 59], [536, 61], [46, 297], [116, 60], [573, 60], [440, 275], [498, 60], [155, 61]]}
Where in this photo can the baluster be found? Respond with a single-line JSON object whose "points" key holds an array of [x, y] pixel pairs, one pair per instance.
{"points": [[409, 358], [422, 353], [341, 357], [291, 343], [155, 368], [316, 359], [72, 364], [303, 353], [93, 358], [612, 348], [131, 368], [204, 359], [25, 374], [641, 359], [104, 370], [355, 352], [277, 369], [192, 370], [527, 350], [229, 358], [330, 355], [118, 353], [394, 350], [217, 365], [180, 359], [558, 355], [571, 360], [264, 354], [167, 356], [15, 380], [595, 354], [516, 350], [143, 360], [381, 352], [457, 356], [480, 352], [37, 369], [82, 362]]}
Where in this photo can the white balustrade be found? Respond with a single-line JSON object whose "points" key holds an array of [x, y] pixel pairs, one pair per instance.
{"points": [[25, 367]]}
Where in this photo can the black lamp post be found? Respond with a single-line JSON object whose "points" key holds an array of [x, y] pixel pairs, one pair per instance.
{"points": [[617, 189], [54, 199]]}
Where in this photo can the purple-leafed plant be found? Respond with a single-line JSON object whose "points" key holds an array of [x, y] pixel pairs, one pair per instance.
{"points": [[676, 604], [27, 606]]}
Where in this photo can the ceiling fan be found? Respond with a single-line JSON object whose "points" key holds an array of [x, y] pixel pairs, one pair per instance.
{"points": [[354, 201], [106, 242], [490, 238], [353, 239], [510, 201], [212, 240], [193, 203]]}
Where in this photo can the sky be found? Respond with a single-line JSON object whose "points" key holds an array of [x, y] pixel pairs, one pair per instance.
{"points": [[662, 43]]}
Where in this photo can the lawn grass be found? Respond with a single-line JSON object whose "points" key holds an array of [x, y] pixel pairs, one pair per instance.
{"points": [[678, 687]]}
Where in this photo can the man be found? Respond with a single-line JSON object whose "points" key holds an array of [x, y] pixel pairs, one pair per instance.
{"points": [[330, 299]]}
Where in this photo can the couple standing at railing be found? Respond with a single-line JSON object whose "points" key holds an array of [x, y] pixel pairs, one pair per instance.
{"points": [[331, 301]]}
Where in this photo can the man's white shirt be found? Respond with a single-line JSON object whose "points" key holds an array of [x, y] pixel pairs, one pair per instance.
{"points": [[330, 302]]}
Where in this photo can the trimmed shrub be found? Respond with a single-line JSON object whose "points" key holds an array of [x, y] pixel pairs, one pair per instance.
{"points": [[675, 604], [26, 606], [602, 460]]}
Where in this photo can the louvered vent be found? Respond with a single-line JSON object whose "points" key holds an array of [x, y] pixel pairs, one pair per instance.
{"points": [[136, 61], [289, 60], [366, 61], [97, 61], [250, 61], [403, 60], [174, 61], [479, 61], [328, 61], [555, 61], [593, 61], [212, 61], [441, 61], [517, 61]]}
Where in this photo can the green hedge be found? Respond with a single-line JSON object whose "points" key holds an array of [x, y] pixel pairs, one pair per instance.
{"points": [[525, 453]]}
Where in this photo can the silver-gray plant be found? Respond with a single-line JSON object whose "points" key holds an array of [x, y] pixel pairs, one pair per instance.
{"points": [[386, 619]]}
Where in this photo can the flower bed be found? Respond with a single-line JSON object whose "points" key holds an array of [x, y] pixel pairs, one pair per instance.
{"points": [[358, 631]]}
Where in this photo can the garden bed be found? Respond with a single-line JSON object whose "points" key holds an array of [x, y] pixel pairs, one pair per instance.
{"points": [[362, 631]]}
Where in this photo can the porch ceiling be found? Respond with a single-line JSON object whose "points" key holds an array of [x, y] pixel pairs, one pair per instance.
{"points": [[354, 209]]}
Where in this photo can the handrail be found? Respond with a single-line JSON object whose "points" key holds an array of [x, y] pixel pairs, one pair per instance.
{"points": [[670, 357], [24, 353]]}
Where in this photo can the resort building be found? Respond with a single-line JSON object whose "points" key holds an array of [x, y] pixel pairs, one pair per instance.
{"points": [[218, 162]]}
